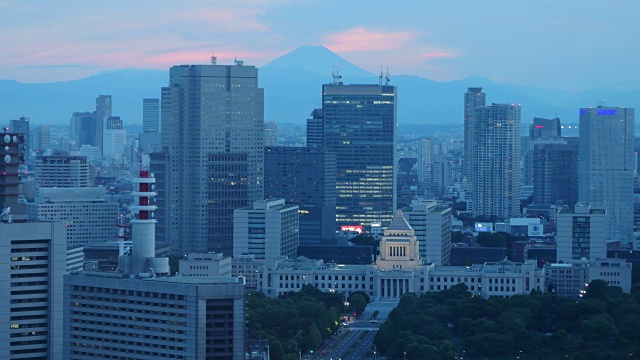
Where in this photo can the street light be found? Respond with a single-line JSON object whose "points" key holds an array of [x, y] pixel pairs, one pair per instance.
{"points": [[404, 355]]}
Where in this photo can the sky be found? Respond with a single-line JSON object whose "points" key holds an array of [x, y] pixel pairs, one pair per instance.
{"points": [[566, 44]]}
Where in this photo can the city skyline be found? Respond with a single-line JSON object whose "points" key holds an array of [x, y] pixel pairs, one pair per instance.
{"points": [[428, 40]]}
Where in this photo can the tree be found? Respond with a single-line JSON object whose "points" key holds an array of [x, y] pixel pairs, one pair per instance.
{"points": [[357, 304], [361, 293], [597, 289]]}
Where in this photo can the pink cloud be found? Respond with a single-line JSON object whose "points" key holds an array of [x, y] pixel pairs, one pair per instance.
{"points": [[231, 20], [436, 55], [360, 39]]}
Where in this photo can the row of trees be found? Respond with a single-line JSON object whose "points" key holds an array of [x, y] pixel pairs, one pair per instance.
{"points": [[601, 325], [298, 322]]}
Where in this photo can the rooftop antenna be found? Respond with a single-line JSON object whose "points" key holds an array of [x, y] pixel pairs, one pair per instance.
{"points": [[336, 75], [387, 77], [380, 76], [214, 59]]}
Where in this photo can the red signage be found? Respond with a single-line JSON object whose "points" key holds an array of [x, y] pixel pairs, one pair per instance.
{"points": [[354, 228]]}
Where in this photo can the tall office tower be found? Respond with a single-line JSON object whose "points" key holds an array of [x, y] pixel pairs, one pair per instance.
{"points": [[83, 129], [205, 319], [213, 130], [33, 257], [266, 230], [90, 217], [432, 225], [159, 166], [540, 131], [270, 133], [496, 161], [11, 152], [425, 159], [360, 127], [151, 116], [41, 139], [582, 233], [62, 170], [103, 112], [306, 177], [114, 138], [555, 172], [473, 98], [314, 129], [606, 166]]}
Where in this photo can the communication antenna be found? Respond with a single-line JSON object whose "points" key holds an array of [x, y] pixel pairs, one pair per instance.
{"points": [[387, 77], [336, 74], [214, 59], [381, 76]]}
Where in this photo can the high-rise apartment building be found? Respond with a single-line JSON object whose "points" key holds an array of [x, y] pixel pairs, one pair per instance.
{"points": [[425, 159], [306, 177], [83, 129], [359, 125], [496, 160], [213, 130], [473, 98], [555, 172], [606, 165], [62, 170], [102, 113], [151, 116], [266, 230], [582, 233], [432, 226]]}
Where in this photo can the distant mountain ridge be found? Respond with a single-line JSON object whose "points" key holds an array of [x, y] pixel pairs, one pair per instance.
{"points": [[293, 85]]}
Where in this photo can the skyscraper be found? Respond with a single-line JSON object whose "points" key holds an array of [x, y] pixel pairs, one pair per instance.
{"points": [[425, 160], [83, 128], [304, 176], [606, 165], [213, 130], [473, 98], [496, 160], [359, 125], [114, 138], [555, 172], [582, 233], [151, 116], [103, 112]]}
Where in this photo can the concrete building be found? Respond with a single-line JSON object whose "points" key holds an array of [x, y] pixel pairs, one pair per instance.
{"points": [[151, 116], [114, 138], [397, 271], [266, 230], [62, 170], [153, 318], [496, 161], [34, 258], [249, 268], [208, 264], [359, 125], [141, 313], [473, 98], [41, 139], [606, 166], [215, 147], [306, 177], [432, 225], [270, 133], [159, 165], [582, 233], [89, 217], [572, 278]]}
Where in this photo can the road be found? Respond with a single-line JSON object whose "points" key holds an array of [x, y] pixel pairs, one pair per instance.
{"points": [[355, 341]]}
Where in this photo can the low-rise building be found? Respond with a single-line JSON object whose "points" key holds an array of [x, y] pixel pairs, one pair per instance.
{"points": [[207, 264]]}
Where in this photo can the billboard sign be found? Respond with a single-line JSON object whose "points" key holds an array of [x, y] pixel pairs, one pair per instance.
{"points": [[536, 230], [351, 228]]}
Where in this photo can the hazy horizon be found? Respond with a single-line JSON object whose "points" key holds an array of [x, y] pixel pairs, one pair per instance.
{"points": [[548, 44]]}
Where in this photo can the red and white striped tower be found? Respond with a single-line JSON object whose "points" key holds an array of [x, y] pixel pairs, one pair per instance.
{"points": [[143, 225]]}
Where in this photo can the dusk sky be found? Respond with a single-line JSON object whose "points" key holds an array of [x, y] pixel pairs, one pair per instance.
{"points": [[567, 44]]}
